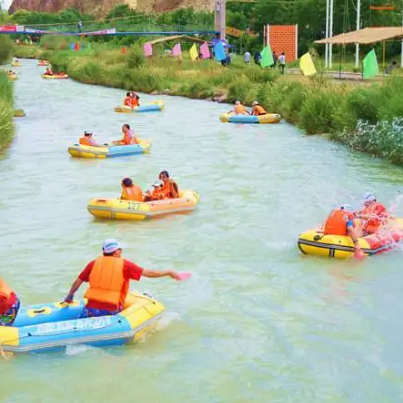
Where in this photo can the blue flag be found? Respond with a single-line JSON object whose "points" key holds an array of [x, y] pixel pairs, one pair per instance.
{"points": [[72, 46], [219, 51]]}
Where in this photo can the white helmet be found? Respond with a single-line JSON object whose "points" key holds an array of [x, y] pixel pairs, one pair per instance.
{"points": [[368, 197]]}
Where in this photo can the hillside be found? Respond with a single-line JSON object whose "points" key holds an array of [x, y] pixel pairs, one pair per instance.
{"points": [[102, 7]]}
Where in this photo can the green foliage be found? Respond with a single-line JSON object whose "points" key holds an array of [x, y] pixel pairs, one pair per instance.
{"points": [[53, 42], [135, 58], [6, 110], [6, 49]]}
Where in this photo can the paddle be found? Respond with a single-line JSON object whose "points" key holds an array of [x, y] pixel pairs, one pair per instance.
{"points": [[184, 275]]}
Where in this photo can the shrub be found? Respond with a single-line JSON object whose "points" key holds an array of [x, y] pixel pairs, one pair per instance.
{"points": [[6, 110], [6, 49], [135, 58]]}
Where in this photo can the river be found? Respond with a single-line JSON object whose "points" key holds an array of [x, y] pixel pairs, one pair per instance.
{"points": [[258, 322]]}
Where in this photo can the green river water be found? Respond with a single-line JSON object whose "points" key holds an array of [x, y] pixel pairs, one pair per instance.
{"points": [[258, 322]]}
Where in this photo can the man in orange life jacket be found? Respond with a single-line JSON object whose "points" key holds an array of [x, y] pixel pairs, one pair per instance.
{"points": [[373, 214], [9, 305], [239, 109], [131, 191], [128, 137], [341, 222], [87, 140], [128, 101], [257, 109], [170, 189], [108, 277]]}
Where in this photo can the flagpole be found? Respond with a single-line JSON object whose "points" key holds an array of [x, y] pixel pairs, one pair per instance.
{"points": [[357, 46], [331, 33], [327, 33]]}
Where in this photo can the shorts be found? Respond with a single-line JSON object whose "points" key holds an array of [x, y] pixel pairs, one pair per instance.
{"points": [[8, 318], [92, 313]]}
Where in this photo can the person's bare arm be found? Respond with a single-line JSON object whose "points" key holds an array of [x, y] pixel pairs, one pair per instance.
{"points": [[157, 274], [76, 285]]}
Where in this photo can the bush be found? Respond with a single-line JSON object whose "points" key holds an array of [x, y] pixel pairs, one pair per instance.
{"points": [[50, 42], [6, 110], [135, 58], [6, 49]]}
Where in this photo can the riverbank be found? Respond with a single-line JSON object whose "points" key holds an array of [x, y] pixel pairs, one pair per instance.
{"points": [[317, 105], [6, 111]]}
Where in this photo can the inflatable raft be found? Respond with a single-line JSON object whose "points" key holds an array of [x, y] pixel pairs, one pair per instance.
{"points": [[263, 119], [12, 77], [156, 106], [80, 151], [43, 64], [117, 209], [55, 76], [16, 64], [55, 325], [314, 242]]}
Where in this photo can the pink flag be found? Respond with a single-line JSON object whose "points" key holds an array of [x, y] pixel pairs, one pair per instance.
{"points": [[205, 51], [177, 50], [148, 49]]}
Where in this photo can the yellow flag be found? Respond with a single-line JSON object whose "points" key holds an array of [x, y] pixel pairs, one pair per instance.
{"points": [[194, 54], [306, 65]]}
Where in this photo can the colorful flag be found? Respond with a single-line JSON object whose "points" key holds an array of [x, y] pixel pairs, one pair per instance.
{"points": [[267, 57], [205, 51], [194, 54], [148, 49], [370, 64], [219, 51], [306, 65], [176, 50], [89, 47]]}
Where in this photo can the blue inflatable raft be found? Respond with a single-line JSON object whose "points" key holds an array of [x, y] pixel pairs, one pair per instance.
{"points": [[80, 151], [55, 325], [156, 106]]}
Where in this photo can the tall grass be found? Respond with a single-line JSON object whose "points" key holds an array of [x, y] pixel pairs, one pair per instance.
{"points": [[6, 49], [6, 111]]}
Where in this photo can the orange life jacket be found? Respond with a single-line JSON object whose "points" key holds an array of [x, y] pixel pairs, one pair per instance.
{"points": [[170, 190], [158, 194], [106, 281], [5, 290], [85, 141], [336, 223], [128, 138], [239, 110], [132, 193], [135, 102], [378, 215], [258, 110], [128, 101]]}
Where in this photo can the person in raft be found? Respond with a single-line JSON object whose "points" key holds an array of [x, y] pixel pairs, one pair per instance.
{"points": [[135, 99], [87, 140], [129, 137], [109, 276], [156, 192], [239, 109], [131, 191], [128, 101], [48, 72], [373, 214], [257, 109], [9, 305], [170, 189], [342, 222]]}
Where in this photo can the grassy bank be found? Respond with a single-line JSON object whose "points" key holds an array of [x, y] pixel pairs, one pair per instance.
{"points": [[6, 111], [316, 105]]}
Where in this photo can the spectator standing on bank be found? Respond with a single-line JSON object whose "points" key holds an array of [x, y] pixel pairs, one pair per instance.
{"points": [[80, 26], [275, 58], [246, 57], [256, 57], [281, 61]]}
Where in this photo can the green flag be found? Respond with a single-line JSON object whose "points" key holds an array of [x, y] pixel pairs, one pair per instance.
{"points": [[370, 65], [89, 47], [267, 57]]}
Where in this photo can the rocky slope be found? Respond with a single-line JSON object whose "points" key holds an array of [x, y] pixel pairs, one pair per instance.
{"points": [[101, 7]]}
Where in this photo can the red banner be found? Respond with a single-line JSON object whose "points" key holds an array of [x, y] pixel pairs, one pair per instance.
{"points": [[11, 28]]}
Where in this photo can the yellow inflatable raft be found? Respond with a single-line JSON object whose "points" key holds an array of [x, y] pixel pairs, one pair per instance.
{"points": [[314, 242], [117, 209], [55, 76], [151, 107], [12, 77], [16, 64], [249, 119]]}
